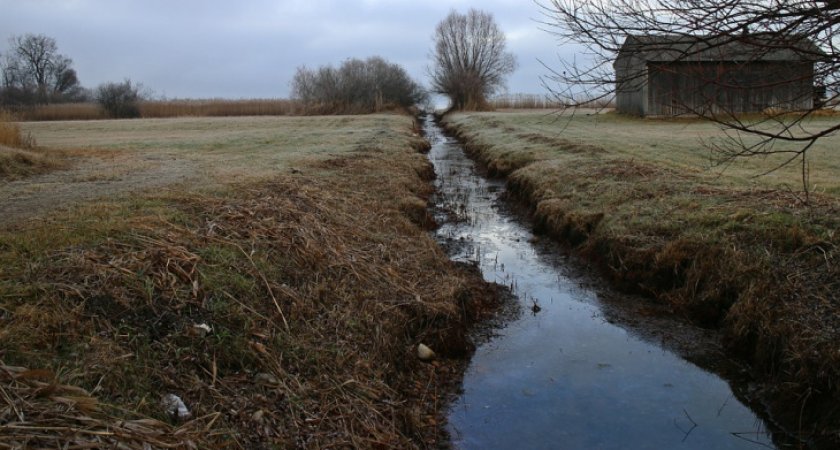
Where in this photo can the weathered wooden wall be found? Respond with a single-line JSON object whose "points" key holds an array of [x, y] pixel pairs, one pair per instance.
{"points": [[676, 88], [631, 85], [632, 99]]}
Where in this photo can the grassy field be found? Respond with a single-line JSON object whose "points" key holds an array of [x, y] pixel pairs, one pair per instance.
{"points": [[641, 200], [219, 149], [274, 273], [680, 144]]}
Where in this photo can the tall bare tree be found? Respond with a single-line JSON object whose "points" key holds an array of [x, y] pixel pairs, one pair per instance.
{"points": [[601, 28], [35, 72], [470, 62]]}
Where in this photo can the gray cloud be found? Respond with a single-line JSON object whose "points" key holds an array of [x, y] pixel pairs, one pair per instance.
{"points": [[220, 48]]}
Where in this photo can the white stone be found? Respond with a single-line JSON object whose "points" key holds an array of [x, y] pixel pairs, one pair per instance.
{"points": [[425, 353]]}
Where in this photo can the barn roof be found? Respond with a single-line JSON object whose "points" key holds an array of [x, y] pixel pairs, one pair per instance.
{"points": [[745, 47]]}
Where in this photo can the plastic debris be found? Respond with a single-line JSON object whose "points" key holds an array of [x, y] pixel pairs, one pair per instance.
{"points": [[175, 407], [202, 329]]}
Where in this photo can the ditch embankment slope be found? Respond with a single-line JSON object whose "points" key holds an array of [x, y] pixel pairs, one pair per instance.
{"points": [[281, 294], [742, 258]]}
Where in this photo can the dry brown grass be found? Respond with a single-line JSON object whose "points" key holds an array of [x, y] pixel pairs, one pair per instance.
{"points": [[11, 134], [18, 156], [63, 111], [318, 285], [166, 109], [218, 108], [40, 412], [722, 250], [534, 101], [18, 163]]}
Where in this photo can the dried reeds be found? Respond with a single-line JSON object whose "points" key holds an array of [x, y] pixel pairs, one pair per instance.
{"points": [[155, 109], [38, 412], [218, 108], [11, 134], [536, 101]]}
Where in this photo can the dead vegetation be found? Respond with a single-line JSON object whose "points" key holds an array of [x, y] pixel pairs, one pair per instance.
{"points": [[40, 412], [285, 313], [16, 163], [747, 259], [167, 108], [18, 156]]}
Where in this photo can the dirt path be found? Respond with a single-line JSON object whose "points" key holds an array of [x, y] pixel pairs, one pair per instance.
{"points": [[89, 179]]}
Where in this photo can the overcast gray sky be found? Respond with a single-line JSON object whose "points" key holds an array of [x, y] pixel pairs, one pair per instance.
{"points": [[250, 48]]}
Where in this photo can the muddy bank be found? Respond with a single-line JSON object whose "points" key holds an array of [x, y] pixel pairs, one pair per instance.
{"points": [[765, 319]]}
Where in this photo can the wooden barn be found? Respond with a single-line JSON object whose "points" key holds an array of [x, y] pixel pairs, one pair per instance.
{"points": [[669, 75]]}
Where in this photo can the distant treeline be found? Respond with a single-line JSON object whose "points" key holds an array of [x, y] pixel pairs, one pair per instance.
{"points": [[37, 82]]}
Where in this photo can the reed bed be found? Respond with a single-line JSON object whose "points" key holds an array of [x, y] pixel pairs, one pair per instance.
{"points": [[218, 108], [11, 134], [166, 109], [524, 101], [61, 111], [536, 101]]}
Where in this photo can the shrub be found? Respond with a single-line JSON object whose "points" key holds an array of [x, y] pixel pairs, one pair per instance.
{"points": [[356, 87], [120, 100]]}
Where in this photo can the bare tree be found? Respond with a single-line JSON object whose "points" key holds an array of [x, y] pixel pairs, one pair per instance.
{"points": [[690, 30], [470, 62], [34, 71]]}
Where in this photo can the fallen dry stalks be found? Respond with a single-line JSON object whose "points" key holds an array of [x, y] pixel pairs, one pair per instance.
{"points": [[287, 311]]}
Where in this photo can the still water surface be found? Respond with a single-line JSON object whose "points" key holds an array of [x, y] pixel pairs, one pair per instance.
{"points": [[564, 377]]}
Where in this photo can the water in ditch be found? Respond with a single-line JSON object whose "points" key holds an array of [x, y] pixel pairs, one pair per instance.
{"points": [[564, 376]]}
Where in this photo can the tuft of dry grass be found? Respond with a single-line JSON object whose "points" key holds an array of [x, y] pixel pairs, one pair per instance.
{"points": [[317, 285], [11, 134], [219, 108], [18, 156], [62, 111], [17, 163], [724, 250]]}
